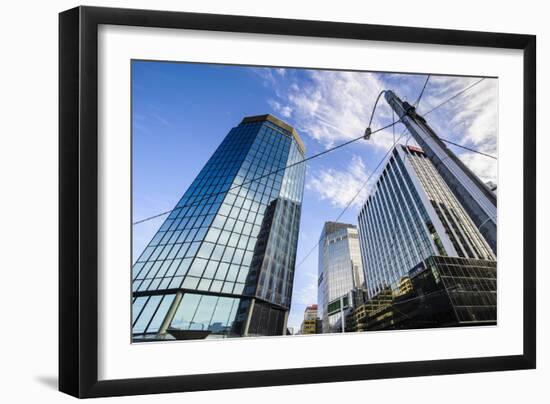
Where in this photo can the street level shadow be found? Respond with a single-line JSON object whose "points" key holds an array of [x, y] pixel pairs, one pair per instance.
{"points": [[48, 381]]}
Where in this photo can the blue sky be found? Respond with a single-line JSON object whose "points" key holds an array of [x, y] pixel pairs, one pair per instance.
{"points": [[182, 111]]}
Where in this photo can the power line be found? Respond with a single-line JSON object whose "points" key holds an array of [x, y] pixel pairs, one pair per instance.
{"points": [[388, 152], [468, 148], [204, 197], [355, 196], [417, 103], [454, 96]]}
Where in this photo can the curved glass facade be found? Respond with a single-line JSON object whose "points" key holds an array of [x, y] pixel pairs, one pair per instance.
{"points": [[340, 271], [228, 248]]}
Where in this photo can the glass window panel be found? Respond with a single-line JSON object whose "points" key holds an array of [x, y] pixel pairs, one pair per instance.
{"points": [[137, 306], [197, 267], [228, 287], [200, 234], [239, 225], [225, 209], [156, 322], [237, 258], [224, 237], [185, 312], [146, 314], [218, 221], [232, 273], [228, 254], [175, 282], [190, 282], [204, 312], [243, 273], [205, 250], [221, 316], [164, 283], [233, 240], [217, 253], [229, 224], [222, 271], [216, 286], [204, 284], [183, 235], [243, 241], [145, 284], [210, 269], [154, 284], [184, 266], [173, 266], [192, 249], [213, 235], [247, 258]]}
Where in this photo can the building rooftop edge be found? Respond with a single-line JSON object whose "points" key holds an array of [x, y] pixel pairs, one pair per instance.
{"points": [[280, 123]]}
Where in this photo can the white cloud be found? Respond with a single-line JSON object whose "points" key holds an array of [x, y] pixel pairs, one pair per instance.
{"points": [[284, 111], [484, 167], [340, 186], [471, 118], [333, 107]]}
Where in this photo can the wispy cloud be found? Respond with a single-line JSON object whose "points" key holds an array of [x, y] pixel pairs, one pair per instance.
{"points": [[470, 119], [340, 186], [331, 107]]}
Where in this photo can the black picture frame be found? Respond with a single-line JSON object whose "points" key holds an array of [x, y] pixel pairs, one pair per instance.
{"points": [[78, 201]]}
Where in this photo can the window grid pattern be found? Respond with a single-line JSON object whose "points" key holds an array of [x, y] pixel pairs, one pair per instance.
{"points": [[471, 285], [397, 230], [394, 228], [466, 239], [340, 269], [207, 242]]}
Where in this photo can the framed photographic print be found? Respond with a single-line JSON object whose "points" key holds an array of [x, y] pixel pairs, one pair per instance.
{"points": [[249, 201]]}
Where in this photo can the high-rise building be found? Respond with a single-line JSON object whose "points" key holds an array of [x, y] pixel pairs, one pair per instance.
{"points": [[412, 215], [475, 197], [222, 263], [311, 321], [340, 271]]}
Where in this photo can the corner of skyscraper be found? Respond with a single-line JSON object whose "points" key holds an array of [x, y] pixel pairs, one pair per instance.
{"points": [[222, 263]]}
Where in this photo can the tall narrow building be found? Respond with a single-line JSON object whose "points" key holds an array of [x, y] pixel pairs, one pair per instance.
{"points": [[340, 271], [412, 215], [222, 263]]}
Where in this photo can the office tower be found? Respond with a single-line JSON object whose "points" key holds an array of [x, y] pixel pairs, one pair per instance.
{"points": [[411, 215], [310, 322], [340, 271], [222, 263], [475, 197]]}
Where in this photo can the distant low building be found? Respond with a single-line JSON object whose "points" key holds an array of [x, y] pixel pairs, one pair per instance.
{"points": [[311, 323]]}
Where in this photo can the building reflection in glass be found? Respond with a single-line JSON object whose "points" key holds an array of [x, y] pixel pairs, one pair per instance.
{"points": [[222, 263]]}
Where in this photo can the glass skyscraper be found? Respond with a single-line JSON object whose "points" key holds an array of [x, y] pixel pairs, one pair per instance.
{"points": [[412, 215], [340, 271], [222, 263]]}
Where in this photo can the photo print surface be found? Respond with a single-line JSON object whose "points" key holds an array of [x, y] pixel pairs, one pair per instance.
{"points": [[277, 201]]}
